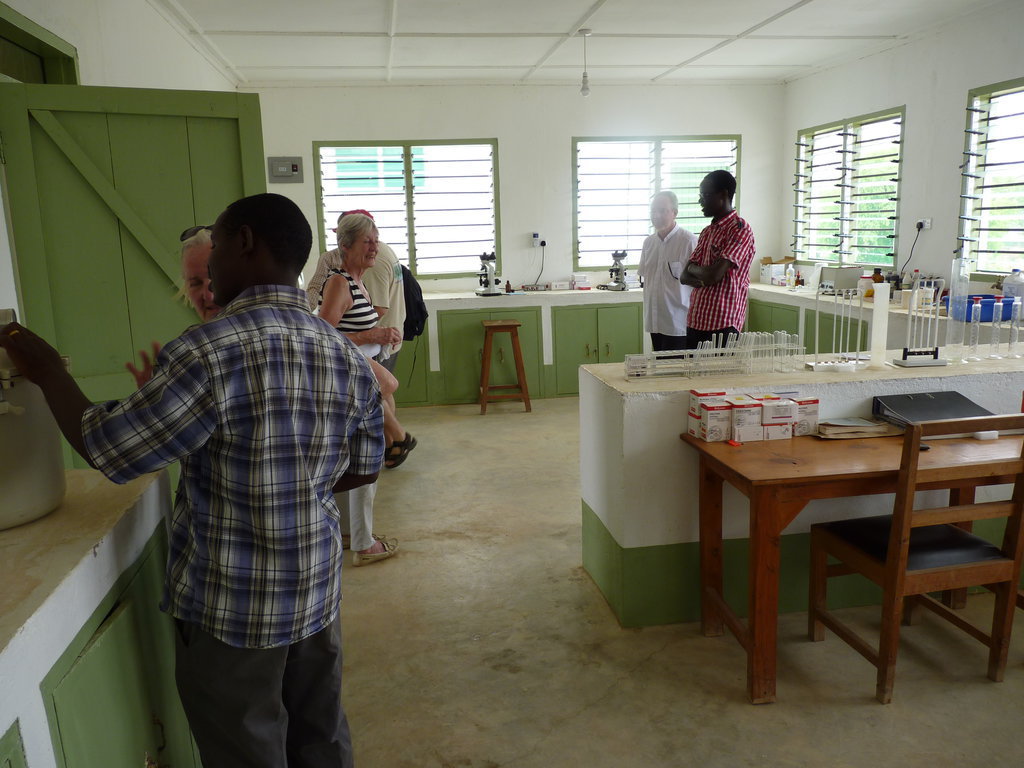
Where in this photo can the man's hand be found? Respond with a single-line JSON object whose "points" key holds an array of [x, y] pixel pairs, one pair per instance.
{"points": [[36, 360], [145, 373], [41, 364]]}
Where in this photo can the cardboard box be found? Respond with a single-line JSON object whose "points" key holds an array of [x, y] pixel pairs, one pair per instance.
{"points": [[698, 396], [775, 409], [774, 272], [715, 421], [692, 425], [746, 418], [806, 416], [778, 431]]}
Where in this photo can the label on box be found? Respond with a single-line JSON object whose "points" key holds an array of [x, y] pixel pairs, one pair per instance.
{"points": [[698, 396], [778, 431], [806, 422], [715, 421], [747, 433], [782, 411], [692, 425], [746, 412]]}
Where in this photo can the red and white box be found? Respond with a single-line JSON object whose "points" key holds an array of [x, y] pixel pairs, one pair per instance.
{"points": [[715, 421], [806, 422], [692, 425], [746, 419], [778, 431], [775, 409], [698, 396]]}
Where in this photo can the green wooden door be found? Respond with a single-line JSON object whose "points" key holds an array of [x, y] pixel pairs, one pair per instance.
{"points": [[575, 336], [503, 367], [618, 332], [100, 183], [461, 338]]}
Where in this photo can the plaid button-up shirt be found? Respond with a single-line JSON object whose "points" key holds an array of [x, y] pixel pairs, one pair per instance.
{"points": [[723, 305], [266, 406]]}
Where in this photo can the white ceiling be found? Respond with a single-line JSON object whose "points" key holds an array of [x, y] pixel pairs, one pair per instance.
{"points": [[403, 42]]}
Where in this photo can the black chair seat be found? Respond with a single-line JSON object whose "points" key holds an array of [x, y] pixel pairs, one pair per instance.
{"points": [[931, 546]]}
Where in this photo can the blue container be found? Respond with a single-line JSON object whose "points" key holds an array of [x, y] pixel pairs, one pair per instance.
{"points": [[962, 311]]}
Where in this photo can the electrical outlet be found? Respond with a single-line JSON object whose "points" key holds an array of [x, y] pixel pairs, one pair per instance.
{"points": [[924, 223]]}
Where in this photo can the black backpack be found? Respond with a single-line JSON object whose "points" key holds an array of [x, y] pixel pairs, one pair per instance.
{"points": [[415, 308]]}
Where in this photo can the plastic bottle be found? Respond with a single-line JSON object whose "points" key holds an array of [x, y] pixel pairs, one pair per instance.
{"points": [[791, 277], [1013, 284]]}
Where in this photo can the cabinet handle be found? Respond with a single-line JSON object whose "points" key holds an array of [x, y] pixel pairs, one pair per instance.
{"points": [[501, 355], [163, 734], [588, 349], [607, 350]]}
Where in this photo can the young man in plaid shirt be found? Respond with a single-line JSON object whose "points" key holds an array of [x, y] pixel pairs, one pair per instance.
{"points": [[719, 268], [269, 410]]}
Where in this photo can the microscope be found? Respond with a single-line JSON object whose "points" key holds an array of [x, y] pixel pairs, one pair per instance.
{"points": [[489, 283], [617, 272]]}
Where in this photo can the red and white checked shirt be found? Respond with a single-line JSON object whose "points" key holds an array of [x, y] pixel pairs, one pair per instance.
{"points": [[723, 305]]}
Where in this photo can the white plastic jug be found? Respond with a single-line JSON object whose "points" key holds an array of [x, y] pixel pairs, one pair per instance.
{"points": [[32, 480]]}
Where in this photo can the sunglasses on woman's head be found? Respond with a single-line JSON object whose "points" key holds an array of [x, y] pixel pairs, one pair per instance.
{"points": [[193, 231]]}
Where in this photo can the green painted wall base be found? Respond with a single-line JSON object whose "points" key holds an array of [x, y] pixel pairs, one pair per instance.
{"points": [[646, 586]]}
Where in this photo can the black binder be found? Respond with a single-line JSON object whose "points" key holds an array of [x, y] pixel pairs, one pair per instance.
{"points": [[925, 406]]}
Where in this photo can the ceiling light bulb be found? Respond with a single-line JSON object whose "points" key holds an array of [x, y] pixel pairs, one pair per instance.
{"points": [[585, 88]]}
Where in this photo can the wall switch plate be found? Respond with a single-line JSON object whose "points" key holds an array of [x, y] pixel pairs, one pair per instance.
{"points": [[284, 170]]}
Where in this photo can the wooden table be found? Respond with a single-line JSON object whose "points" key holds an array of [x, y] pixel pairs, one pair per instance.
{"points": [[779, 477]]}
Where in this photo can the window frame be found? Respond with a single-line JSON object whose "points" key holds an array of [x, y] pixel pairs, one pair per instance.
{"points": [[574, 163], [849, 126], [969, 162], [407, 145]]}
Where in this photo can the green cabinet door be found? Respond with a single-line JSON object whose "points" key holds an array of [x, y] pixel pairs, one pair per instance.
{"points": [[759, 316], [767, 317], [12, 754], [460, 336], [829, 335], [411, 372], [461, 339], [619, 329], [117, 702], [574, 333]]}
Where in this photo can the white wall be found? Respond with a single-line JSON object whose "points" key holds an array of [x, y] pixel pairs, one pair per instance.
{"points": [[931, 77], [126, 43], [534, 126]]}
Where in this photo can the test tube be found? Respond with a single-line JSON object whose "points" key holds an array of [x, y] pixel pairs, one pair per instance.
{"points": [[1012, 349], [974, 334], [997, 329]]}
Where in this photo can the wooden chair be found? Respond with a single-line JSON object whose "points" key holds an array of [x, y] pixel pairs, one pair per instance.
{"points": [[911, 553]]}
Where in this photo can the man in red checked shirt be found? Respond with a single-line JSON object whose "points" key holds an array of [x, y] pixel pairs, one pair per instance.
{"points": [[719, 269]]}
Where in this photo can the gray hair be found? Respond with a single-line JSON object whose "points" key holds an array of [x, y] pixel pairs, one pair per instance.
{"points": [[202, 237], [669, 195], [352, 226]]}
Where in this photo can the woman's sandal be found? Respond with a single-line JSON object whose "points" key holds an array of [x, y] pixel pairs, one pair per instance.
{"points": [[392, 459]]}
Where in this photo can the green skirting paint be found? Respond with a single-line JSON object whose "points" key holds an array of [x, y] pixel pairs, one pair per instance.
{"points": [[646, 586]]}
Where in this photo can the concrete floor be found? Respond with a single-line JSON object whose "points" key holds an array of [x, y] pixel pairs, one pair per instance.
{"points": [[484, 644]]}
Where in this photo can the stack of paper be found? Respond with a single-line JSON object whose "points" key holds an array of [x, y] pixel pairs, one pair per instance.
{"points": [[854, 426]]}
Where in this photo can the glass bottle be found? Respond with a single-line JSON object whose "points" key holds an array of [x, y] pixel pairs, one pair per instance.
{"points": [[974, 332], [996, 329]]}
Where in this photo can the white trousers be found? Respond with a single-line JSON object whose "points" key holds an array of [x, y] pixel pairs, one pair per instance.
{"points": [[356, 508]]}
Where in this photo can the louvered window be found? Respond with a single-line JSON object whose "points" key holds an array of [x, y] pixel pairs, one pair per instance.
{"points": [[616, 178], [846, 206], [435, 204], [992, 210]]}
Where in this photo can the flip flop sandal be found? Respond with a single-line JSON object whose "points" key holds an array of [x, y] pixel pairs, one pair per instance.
{"points": [[392, 460]]}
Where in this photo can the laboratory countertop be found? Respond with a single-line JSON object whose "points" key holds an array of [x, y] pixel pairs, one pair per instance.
{"points": [[35, 558], [614, 376], [469, 299]]}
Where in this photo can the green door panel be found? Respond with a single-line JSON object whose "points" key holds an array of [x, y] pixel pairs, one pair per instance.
{"points": [[785, 318], [100, 183], [411, 372], [461, 339], [575, 337], [503, 367], [821, 338], [759, 316], [619, 332], [12, 754]]}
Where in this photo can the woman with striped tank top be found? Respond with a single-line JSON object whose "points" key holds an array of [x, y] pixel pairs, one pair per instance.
{"points": [[344, 303]]}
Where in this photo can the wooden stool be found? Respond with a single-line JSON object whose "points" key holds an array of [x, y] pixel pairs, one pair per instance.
{"points": [[510, 327]]}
